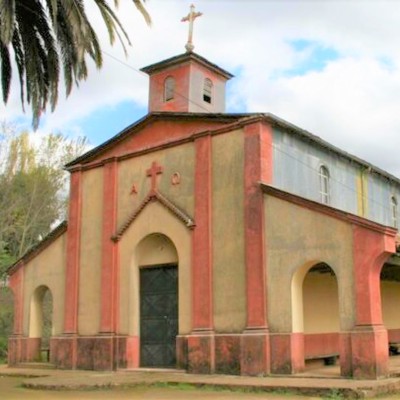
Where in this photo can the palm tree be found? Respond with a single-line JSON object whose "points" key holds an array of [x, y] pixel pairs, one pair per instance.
{"points": [[41, 35]]}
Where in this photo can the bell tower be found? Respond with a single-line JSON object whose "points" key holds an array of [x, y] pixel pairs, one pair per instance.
{"points": [[187, 82]]}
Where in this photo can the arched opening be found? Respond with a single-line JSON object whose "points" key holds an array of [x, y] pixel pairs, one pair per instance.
{"points": [[157, 260], [315, 307], [207, 90], [393, 204], [41, 322], [390, 300], [324, 189], [169, 88]]}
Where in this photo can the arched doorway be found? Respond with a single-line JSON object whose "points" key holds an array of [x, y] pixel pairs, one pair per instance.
{"points": [[158, 288], [41, 323], [390, 300], [315, 305]]}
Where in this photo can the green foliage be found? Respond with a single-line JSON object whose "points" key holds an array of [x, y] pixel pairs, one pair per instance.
{"points": [[33, 198], [3, 349], [334, 394], [6, 320], [47, 36], [32, 189]]}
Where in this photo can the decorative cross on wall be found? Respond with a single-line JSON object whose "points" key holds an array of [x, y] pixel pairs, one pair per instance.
{"points": [[152, 172], [191, 17]]}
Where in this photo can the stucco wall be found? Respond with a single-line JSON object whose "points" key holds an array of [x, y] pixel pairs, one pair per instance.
{"points": [[133, 171], [228, 233], [48, 269], [90, 252], [298, 238], [154, 219]]}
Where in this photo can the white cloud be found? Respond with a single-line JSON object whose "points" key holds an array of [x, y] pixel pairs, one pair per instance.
{"points": [[352, 102]]}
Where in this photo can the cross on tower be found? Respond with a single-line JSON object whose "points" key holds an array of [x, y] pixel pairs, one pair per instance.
{"points": [[191, 17], [153, 172]]}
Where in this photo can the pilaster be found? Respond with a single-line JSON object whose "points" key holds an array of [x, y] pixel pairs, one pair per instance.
{"points": [[201, 342], [73, 254], [109, 273], [255, 347], [369, 340]]}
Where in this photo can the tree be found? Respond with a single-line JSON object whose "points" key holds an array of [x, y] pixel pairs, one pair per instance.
{"points": [[46, 33], [33, 189]]}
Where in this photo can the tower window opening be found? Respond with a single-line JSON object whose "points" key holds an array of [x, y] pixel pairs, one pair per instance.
{"points": [[207, 90], [393, 201], [169, 88], [324, 184]]}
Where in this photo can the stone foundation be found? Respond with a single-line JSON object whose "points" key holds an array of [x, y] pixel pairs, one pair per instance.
{"points": [[363, 352]]}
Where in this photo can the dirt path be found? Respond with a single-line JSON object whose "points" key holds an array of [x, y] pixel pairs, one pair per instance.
{"points": [[10, 389]]}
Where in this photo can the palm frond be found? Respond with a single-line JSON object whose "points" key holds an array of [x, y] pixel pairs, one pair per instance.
{"points": [[140, 6], [7, 17], [5, 71], [20, 61], [47, 36]]}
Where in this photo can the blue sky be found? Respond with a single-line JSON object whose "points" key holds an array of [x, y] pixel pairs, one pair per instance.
{"points": [[331, 67]]}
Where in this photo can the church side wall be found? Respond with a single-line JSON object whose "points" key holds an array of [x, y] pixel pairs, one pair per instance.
{"points": [[46, 269], [228, 233], [90, 256], [298, 237], [296, 170], [380, 192], [352, 188]]}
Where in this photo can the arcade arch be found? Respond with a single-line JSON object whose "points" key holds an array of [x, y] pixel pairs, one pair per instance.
{"points": [[390, 300], [315, 310], [41, 320]]}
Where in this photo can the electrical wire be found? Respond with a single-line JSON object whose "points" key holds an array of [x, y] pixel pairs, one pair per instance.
{"points": [[364, 196]]}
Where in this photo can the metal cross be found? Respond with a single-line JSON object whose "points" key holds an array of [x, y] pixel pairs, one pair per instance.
{"points": [[153, 172], [191, 17]]}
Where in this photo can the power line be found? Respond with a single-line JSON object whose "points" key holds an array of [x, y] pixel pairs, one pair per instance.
{"points": [[159, 84], [332, 178]]}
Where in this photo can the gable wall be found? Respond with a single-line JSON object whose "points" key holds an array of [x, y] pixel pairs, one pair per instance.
{"points": [[157, 133], [131, 172]]}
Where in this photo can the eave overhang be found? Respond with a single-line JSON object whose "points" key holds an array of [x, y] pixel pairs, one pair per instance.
{"points": [[182, 58]]}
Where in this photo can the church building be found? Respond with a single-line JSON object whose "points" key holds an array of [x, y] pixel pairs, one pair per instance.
{"points": [[215, 243]]}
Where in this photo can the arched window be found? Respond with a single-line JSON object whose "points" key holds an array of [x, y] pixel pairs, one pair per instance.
{"points": [[207, 90], [393, 202], [324, 184], [169, 88]]}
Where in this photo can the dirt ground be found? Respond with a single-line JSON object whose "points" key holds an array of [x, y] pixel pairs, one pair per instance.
{"points": [[10, 389]]}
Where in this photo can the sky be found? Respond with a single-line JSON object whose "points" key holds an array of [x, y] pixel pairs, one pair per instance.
{"points": [[331, 67]]}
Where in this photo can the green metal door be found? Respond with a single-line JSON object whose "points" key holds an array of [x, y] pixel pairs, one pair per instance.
{"points": [[158, 316]]}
